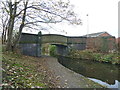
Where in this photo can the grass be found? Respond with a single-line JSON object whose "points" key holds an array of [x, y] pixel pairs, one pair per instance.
{"points": [[21, 72]]}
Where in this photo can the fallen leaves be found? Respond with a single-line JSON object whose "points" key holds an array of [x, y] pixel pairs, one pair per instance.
{"points": [[18, 75]]}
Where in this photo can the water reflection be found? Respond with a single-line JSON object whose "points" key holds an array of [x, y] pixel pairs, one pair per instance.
{"points": [[107, 73], [106, 84]]}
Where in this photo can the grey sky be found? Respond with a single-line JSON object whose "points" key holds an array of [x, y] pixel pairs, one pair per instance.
{"points": [[103, 16]]}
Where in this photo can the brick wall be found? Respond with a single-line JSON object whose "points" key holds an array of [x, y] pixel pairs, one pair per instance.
{"points": [[101, 43]]}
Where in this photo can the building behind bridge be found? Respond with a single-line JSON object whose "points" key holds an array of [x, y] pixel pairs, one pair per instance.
{"points": [[118, 43], [101, 42]]}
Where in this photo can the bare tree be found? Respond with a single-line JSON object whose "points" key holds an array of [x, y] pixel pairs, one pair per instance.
{"points": [[22, 14], [4, 25]]}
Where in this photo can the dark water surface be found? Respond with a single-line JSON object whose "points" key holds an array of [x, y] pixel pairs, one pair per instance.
{"points": [[103, 73]]}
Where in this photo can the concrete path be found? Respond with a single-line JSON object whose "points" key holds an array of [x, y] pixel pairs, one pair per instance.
{"points": [[67, 78]]}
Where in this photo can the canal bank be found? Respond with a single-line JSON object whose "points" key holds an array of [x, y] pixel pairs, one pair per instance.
{"points": [[66, 78], [21, 71], [105, 74]]}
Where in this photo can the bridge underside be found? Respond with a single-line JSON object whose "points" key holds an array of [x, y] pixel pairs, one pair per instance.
{"points": [[59, 49]]}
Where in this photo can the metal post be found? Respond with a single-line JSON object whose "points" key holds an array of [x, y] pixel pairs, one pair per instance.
{"points": [[87, 30], [87, 25]]}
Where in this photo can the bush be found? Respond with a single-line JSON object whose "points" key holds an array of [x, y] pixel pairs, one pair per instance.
{"points": [[113, 58], [52, 50], [107, 58], [87, 55], [97, 56]]}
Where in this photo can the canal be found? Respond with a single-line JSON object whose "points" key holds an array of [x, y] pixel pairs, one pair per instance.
{"points": [[102, 73]]}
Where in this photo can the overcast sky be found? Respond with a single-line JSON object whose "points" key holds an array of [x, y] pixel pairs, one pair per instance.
{"points": [[103, 16]]}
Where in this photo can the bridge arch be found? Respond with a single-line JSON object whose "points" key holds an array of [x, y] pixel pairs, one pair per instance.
{"points": [[59, 49]]}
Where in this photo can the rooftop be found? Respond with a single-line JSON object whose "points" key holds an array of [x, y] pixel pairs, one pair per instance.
{"points": [[96, 34]]}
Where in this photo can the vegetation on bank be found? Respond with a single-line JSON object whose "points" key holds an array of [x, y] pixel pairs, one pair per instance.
{"points": [[113, 58], [52, 50], [22, 72]]}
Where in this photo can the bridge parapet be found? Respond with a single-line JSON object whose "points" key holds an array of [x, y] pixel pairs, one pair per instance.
{"points": [[28, 38], [76, 40], [54, 39]]}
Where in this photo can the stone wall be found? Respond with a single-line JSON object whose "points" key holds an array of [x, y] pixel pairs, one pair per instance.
{"points": [[61, 50], [29, 49], [30, 44], [77, 43], [28, 38]]}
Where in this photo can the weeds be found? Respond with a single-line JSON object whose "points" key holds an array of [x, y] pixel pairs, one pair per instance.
{"points": [[113, 58]]}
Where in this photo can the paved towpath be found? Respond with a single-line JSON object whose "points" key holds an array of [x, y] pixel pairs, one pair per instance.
{"points": [[66, 78]]}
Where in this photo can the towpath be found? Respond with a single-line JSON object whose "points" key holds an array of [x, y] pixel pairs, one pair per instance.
{"points": [[66, 78]]}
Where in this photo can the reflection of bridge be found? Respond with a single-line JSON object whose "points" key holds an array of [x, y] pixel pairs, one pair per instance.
{"points": [[33, 44]]}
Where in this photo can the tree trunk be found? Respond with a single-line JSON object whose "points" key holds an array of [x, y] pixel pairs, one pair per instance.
{"points": [[21, 27], [11, 25], [3, 36]]}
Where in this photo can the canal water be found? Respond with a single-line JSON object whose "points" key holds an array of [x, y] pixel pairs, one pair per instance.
{"points": [[102, 73]]}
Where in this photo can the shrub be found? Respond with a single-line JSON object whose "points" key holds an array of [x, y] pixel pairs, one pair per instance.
{"points": [[52, 50], [107, 58], [113, 58], [86, 54], [97, 56]]}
